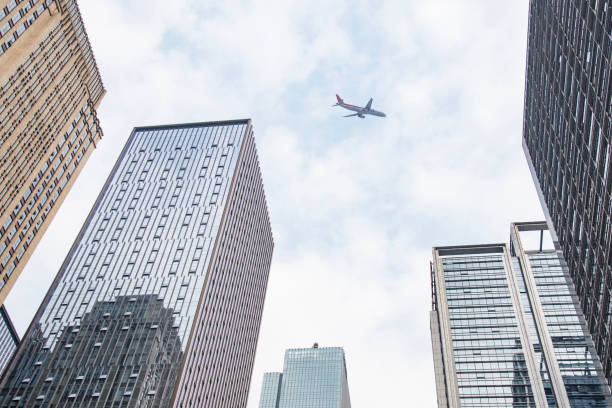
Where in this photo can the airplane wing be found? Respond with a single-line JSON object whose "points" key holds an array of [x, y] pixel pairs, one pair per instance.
{"points": [[368, 106], [354, 114]]}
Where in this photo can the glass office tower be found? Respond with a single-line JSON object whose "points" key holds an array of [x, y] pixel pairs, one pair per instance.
{"points": [[311, 378], [566, 138], [270, 390], [160, 299], [50, 89], [507, 330]]}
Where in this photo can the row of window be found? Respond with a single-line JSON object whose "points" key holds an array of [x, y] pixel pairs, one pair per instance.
{"points": [[44, 202], [102, 257], [6, 44]]}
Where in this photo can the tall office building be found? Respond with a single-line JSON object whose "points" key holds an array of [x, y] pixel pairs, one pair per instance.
{"points": [[160, 299], [311, 378], [566, 138], [49, 91], [507, 330], [8, 338]]}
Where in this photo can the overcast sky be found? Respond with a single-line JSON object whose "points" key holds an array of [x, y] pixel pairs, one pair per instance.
{"points": [[355, 204]]}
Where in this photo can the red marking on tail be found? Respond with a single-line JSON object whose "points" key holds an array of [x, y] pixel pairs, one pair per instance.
{"points": [[339, 98]]}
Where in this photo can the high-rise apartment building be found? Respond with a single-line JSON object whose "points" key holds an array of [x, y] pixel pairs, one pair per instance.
{"points": [[49, 91], [159, 301], [8, 338], [507, 330], [566, 138], [311, 378]]}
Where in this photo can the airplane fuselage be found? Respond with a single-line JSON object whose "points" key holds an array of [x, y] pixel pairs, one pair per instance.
{"points": [[361, 110]]}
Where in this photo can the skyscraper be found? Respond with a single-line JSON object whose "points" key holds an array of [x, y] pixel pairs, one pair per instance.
{"points": [[49, 91], [566, 138], [311, 378], [507, 330], [160, 299]]}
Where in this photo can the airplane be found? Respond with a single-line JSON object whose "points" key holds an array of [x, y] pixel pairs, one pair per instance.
{"points": [[367, 110]]}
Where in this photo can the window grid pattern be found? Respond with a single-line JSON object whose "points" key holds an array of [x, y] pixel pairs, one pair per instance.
{"points": [[219, 361], [17, 17], [578, 366], [533, 333], [270, 390], [8, 338], [567, 130], [536, 291], [489, 359], [134, 279], [48, 128]]}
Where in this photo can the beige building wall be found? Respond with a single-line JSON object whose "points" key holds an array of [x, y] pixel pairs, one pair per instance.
{"points": [[50, 88]]}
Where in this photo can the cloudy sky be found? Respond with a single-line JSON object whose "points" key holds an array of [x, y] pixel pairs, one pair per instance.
{"points": [[355, 205]]}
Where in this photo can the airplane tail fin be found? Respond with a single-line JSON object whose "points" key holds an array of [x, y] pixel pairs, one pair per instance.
{"points": [[338, 98]]}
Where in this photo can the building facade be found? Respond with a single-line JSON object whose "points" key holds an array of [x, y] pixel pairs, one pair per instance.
{"points": [[566, 138], [507, 330], [160, 299], [49, 91], [9, 339], [270, 390], [311, 378]]}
